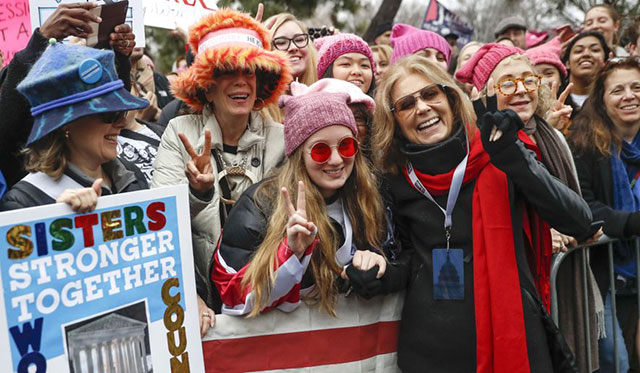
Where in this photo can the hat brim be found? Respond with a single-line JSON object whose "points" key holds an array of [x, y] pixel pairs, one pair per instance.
{"points": [[272, 66], [51, 120]]}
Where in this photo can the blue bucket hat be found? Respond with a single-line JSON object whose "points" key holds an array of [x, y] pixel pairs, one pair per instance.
{"points": [[69, 82]]}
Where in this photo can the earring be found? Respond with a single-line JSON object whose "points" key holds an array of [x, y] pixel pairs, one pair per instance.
{"points": [[259, 104], [66, 134]]}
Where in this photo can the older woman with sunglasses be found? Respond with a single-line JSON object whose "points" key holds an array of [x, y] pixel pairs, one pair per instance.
{"points": [[605, 140], [79, 108], [273, 253], [470, 207]]}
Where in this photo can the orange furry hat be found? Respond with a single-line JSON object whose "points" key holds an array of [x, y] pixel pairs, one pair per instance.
{"points": [[229, 40]]}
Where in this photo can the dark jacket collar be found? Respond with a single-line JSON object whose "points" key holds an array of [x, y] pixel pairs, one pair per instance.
{"points": [[438, 158], [120, 176]]}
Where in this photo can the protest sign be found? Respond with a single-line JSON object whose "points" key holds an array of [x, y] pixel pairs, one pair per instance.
{"points": [[441, 20], [15, 27], [362, 337], [108, 291], [42, 9], [170, 14]]}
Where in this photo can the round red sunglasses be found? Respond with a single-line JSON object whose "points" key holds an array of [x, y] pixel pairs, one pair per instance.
{"points": [[321, 151]]}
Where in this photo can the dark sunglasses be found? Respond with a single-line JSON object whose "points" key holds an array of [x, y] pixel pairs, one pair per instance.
{"points": [[113, 117], [431, 94], [282, 43], [321, 151]]}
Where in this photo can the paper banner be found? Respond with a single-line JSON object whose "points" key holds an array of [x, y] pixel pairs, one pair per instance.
{"points": [[15, 27], [170, 14]]}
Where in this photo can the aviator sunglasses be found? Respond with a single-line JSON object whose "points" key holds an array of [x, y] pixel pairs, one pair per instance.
{"points": [[430, 94], [321, 151]]}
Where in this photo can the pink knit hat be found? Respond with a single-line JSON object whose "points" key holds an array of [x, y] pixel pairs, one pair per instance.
{"points": [[305, 115], [331, 47], [478, 69], [545, 54], [407, 40], [330, 85]]}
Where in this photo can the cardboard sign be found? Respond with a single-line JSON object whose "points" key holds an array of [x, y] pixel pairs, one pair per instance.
{"points": [[42, 9], [15, 27], [107, 291], [170, 14]]}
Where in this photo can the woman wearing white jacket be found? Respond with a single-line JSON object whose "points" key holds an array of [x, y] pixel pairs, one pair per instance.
{"points": [[226, 145]]}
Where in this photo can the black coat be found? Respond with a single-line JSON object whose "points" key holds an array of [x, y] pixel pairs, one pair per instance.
{"points": [[440, 336], [125, 178], [596, 184]]}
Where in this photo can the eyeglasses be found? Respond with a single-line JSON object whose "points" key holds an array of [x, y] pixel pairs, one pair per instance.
{"points": [[431, 94], [113, 117], [282, 43], [321, 151], [509, 87]]}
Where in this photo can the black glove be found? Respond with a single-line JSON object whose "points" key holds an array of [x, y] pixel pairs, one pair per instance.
{"points": [[507, 121], [365, 283]]}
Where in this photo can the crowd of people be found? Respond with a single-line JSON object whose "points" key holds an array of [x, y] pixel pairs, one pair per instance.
{"points": [[325, 165]]}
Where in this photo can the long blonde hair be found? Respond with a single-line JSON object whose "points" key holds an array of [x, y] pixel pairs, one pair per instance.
{"points": [[310, 74], [49, 155], [386, 133], [363, 205]]}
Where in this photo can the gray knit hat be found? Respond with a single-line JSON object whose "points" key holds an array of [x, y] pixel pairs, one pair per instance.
{"points": [[509, 22]]}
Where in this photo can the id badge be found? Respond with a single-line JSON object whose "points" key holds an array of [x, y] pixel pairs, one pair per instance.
{"points": [[448, 274]]}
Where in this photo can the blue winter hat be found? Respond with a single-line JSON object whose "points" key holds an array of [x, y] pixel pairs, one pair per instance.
{"points": [[69, 82]]}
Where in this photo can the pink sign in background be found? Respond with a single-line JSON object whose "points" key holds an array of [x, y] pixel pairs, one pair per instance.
{"points": [[15, 27]]}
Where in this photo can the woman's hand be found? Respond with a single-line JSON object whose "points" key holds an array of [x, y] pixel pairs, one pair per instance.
{"points": [[559, 114], [300, 232], [364, 260], [83, 199], [561, 242], [199, 170], [206, 315], [122, 39]]}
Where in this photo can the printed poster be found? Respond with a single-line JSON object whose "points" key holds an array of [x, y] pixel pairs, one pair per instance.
{"points": [[15, 28], [42, 9], [108, 291], [171, 14]]}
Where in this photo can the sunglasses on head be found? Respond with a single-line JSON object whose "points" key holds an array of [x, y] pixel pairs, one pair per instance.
{"points": [[113, 117], [430, 94], [321, 151]]}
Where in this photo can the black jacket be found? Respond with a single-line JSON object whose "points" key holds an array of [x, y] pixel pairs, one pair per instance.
{"points": [[596, 184], [440, 336], [17, 121], [124, 178]]}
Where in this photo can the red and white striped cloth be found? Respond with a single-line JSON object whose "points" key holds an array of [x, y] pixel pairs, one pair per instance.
{"points": [[362, 338]]}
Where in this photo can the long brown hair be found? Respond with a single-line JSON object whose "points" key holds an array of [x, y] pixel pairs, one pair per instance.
{"points": [[386, 133], [363, 205], [593, 126], [49, 155]]}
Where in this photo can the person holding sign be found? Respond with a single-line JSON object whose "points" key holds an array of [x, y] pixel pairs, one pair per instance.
{"points": [[473, 209], [290, 237], [79, 106], [234, 74]]}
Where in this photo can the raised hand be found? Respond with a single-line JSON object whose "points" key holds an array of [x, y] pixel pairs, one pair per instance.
{"points": [[199, 170], [70, 20], [559, 114], [82, 199], [300, 231], [122, 39]]}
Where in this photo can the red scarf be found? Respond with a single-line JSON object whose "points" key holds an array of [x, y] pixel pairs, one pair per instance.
{"points": [[501, 339]]}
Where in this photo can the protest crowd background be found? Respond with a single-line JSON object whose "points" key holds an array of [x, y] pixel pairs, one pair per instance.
{"points": [[390, 192]]}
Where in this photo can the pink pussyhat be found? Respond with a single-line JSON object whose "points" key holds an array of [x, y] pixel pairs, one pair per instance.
{"points": [[330, 85], [331, 47], [479, 68], [407, 40], [546, 54]]}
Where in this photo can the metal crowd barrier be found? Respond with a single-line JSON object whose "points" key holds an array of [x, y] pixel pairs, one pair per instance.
{"points": [[584, 250]]}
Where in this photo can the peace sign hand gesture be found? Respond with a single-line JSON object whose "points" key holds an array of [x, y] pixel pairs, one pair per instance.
{"points": [[199, 170], [559, 115], [300, 232]]}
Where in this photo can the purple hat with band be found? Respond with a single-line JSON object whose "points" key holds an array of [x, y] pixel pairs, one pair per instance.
{"points": [[69, 82]]}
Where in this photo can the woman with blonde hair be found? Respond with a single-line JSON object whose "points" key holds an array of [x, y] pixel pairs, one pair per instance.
{"points": [[274, 254], [382, 56], [290, 35], [470, 207]]}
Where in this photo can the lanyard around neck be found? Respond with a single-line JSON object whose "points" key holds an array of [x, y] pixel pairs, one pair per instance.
{"points": [[454, 191]]}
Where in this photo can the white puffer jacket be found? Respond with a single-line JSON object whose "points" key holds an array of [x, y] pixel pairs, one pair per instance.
{"points": [[260, 150]]}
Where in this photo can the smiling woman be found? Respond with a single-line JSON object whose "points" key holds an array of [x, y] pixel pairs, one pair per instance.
{"points": [[227, 145], [78, 113]]}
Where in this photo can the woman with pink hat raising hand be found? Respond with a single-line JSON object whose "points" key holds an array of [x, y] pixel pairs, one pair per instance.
{"points": [[275, 253], [227, 145]]}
